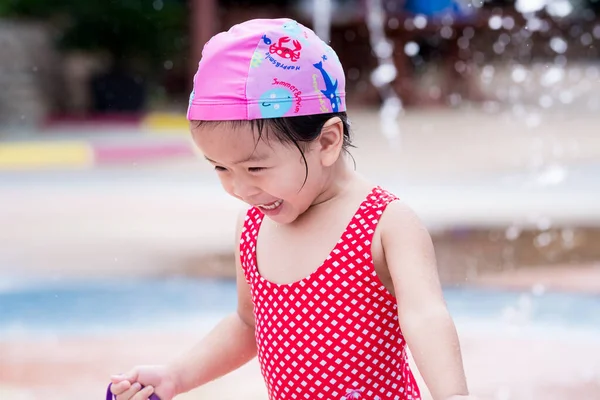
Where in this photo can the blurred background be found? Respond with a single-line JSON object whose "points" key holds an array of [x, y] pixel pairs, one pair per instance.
{"points": [[116, 241]]}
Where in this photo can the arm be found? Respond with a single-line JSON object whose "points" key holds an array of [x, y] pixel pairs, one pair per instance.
{"points": [[425, 321], [228, 346]]}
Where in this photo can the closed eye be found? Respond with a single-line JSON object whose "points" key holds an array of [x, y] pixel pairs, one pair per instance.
{"points": [[256, 169], [219, 169]]}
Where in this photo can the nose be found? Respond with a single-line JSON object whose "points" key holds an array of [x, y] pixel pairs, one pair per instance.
{"points": [[244, 190]]}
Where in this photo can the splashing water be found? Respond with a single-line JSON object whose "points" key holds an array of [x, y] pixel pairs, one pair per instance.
{"points": [[385, 73], [322, 19], [555, 8], [545, 170]]}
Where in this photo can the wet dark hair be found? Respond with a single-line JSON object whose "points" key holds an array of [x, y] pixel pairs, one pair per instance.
{"points": [[296, 131]]}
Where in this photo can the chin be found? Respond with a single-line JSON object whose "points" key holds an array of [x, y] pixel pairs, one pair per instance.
{"points": [[283, 218], [283, 215]]}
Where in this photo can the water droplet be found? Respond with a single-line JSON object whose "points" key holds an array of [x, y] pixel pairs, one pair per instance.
{"points": [[383, 74], [158, 5], [469, 32], [393, 23], [529, 6], [523, 35], [519, 74], [411, 49], [566, 97], [586, 39], [558, 44], [543, 239], [446, 32], [559, 8], [596, 31], [168, 64], [538, 289], [512, 232], [552, 175], [545, 26], [487, 73], [560, 60], [420, 22], [498, 48], [383, 49], [568, 237], [552, 76], [546, 101], [455, 99], [495, 22], [463, 42], [534, 24], [460, 67], [391, 108], [508, 23]]}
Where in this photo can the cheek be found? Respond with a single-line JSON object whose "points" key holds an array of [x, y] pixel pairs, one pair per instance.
{"points": [[226, 183], [298, 168], [296, 176]]}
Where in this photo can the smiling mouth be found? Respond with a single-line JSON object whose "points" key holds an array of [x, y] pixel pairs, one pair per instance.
{"points": [[271, 206]]}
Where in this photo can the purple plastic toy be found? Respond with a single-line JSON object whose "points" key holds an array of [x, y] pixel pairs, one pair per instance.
{"points": [[110, 396]]}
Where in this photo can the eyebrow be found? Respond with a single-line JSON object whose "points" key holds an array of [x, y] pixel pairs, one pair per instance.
{"points": [[254, 157]]}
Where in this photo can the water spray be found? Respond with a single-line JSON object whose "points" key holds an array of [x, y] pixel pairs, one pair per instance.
{"points": [[386, 71]]}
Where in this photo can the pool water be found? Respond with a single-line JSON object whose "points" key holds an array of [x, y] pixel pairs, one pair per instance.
{"points": [[92, 306]]}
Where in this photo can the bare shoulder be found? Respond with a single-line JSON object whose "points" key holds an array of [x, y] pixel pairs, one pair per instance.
{"points": [[400, 222], [409, 254]]}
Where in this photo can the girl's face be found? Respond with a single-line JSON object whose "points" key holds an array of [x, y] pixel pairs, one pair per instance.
{"points": [[264, 172]]}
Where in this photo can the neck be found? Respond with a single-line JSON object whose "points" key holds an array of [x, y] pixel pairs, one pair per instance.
{"points": [[336, 183]]}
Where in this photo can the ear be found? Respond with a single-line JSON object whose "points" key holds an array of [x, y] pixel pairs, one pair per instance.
{"points": [[331, 141]]}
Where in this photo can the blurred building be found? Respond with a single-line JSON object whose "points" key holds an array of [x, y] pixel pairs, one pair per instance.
{"points": [[114, 58]]}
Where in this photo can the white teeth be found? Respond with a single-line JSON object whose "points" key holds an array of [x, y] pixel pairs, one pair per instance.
{"points": [[271, 206]]}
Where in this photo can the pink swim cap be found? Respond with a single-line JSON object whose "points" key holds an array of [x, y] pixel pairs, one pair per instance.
{"points": [[266, 68]]}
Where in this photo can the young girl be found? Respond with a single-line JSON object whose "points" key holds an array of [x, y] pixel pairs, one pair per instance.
{"points": [[335, 275]]}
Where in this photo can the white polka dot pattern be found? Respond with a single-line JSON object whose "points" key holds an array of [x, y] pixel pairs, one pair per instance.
{"points": [[335, 334]]}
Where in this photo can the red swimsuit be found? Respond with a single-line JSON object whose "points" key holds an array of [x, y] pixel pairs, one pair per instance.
{"points": [[333, 335]]}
